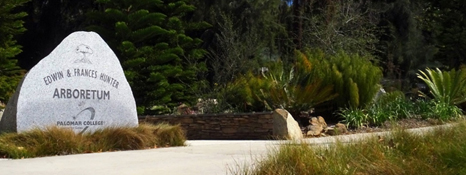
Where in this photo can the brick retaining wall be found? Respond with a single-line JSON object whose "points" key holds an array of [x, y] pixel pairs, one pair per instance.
{"points": [[248, 126]]}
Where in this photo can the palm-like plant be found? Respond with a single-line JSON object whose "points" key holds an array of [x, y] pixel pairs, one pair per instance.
{"points": [[290, 91], [445, 86]]}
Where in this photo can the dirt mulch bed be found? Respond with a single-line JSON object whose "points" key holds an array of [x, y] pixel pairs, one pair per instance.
{"points": [[404, 123]]}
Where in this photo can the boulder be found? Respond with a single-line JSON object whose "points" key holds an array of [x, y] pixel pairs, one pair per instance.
{"points": [[80, 85], [284, 126], [317, 126], [340, 128]]}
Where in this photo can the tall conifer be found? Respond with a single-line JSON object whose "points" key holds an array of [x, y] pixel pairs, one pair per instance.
{"points": [[160, 61], [11, 25]]}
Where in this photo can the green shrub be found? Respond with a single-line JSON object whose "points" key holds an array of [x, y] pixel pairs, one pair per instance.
{"points": [[354, 78], [355, 117], [339, 80], [443, 111], [280, 87], [293, 92], [243, 93], [391, 106]]}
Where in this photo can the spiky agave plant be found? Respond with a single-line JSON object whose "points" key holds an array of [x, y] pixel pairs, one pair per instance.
{"points": [[445, 86]]}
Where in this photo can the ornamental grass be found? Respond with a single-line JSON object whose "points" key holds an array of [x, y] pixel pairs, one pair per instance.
{"points": [[54, 141], [441, 151]]}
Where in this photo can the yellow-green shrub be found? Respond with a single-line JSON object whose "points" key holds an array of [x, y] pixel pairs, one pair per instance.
{"points": [[355, 78]]}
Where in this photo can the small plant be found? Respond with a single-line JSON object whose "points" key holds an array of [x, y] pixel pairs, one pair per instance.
{"points": [[389, 107], [444, 111], [355, 117]]}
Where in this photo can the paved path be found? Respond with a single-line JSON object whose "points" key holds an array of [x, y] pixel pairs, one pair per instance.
{"points": [[198, 158]]}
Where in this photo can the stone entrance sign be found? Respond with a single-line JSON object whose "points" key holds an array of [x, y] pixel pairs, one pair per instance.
{"points": [[80, 85]]}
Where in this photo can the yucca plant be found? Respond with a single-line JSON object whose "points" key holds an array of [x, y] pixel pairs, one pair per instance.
{"points": [[297, 98], [289, 90], [445, 86]]}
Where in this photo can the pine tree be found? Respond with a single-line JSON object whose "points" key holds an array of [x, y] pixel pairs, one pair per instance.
{"points": [[160, 61], [11, 25]]}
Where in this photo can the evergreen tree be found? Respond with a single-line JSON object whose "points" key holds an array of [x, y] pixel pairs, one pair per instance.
{"points": [[404, 44], [446, 21], [160, 61], [11, 25]]}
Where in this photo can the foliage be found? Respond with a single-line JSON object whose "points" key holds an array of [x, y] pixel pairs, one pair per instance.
{"points": [[441, 111], [441, 151], [355, 117], [58, 141], [404, 46], [446, 86], [244, 33], [243, 93], [12, 25], [340, 25], [391, 106], [355, 78], [445, 21], [160, 61], [289, 91], [394, 106], [281, 87]]}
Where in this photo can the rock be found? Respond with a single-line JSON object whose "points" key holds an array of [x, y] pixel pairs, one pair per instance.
{"points": [[284, 125], [322, 121], [183, 109], [317, 126], [340, 128], [337, 129], [331, 131], [79, 85], [314, 130]]}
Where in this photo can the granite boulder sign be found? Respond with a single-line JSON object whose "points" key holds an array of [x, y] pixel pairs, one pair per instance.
{"points": [[80, 85]]}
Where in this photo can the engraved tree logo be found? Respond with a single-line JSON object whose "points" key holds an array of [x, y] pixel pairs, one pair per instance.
{"points": [[85, 51], [92, 112]]}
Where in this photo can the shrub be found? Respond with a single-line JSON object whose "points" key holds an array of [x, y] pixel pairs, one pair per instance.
{"points": [[394, 106], [391, 106], [243, 93], [443, 111], [340, 80], [354, 78], [355, 117], [280, 87]]}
